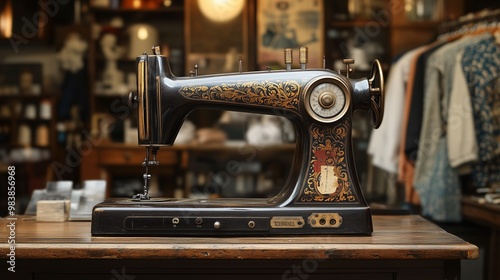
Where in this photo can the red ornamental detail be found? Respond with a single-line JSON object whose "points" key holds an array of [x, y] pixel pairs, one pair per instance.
{"points": [[323, 157]]}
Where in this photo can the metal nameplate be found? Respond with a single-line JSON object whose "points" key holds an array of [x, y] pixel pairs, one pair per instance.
{"points": [[287, 222]]}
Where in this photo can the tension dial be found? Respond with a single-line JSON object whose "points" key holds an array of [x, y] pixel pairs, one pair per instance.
{"points": [[327, 101]]}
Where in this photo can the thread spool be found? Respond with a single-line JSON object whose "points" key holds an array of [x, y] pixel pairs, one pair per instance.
{"points": [[42, 136], [45, 110], [30, 111], [24, 135]]}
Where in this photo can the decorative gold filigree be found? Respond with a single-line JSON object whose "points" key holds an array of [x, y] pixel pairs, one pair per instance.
{"points": [[284, 94], [328, 148]]}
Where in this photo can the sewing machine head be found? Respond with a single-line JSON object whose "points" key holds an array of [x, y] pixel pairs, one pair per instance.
{"points": [[306, 96], [322, 194]]}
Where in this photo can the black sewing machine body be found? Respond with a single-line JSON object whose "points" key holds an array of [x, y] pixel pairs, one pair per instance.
{"points": [[322, 194]]}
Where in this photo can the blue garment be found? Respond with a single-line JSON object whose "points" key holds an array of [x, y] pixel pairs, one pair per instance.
{"points": [[481, 65], [441, 196]]}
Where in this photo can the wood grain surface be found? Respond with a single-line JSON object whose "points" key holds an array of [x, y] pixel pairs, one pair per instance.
{"points": [[394, 237]]}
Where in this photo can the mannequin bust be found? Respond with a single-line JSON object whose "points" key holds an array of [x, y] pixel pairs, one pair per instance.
{"points": [[112, 78]]}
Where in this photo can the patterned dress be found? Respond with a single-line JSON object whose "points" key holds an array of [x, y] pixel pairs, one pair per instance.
{"points": [[481, 65]]}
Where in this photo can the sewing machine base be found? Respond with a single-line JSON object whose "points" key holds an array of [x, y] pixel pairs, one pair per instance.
{"points": [[224, 217]]}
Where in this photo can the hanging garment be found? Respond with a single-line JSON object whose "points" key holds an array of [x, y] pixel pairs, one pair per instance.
{"points": [[406, 167], [439, 200], [481, 66], [462, 144], [435, 180], [407, 156], [385, 141], [417, 103]]}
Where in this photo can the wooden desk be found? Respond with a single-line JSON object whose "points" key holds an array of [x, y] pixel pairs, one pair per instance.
{"points": [[487, 215], [401, 247]]}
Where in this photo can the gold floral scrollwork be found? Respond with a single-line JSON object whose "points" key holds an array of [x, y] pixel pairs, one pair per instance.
{"points": [[328, 149], [283, 94]]}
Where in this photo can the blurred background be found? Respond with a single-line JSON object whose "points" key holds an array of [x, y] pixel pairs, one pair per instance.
{"points": [[66, 68]]}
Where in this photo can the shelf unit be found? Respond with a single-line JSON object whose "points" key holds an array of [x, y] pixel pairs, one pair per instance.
{"points": [[13, 118], [27, 143], [384, 32], [168, 23]]}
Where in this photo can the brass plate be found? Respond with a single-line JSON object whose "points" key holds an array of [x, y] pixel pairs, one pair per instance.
{"points": [[324, 220], [287, 222]]}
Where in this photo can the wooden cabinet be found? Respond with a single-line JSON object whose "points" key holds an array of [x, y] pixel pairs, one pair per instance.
{"points": [[125, 33], [28, 138], [408, 30], [121, 32]]}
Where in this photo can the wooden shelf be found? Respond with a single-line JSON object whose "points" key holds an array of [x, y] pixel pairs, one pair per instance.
{"points": [[111, 96], [15, 120], [349, 23], [28, 97], [161, 10], [34, 121], [396, 32], [416, 25]]}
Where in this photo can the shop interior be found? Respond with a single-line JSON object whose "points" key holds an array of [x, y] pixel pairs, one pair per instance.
{"points": [[67, 68]]}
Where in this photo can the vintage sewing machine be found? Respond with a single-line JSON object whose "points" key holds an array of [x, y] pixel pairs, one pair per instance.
{"points": [[322, 194]]}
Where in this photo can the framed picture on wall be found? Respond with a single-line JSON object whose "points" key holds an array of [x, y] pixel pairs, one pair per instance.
{"points": [[289, 24]]}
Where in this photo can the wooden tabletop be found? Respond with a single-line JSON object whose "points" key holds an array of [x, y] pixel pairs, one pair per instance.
{"points": [[477, 210], [394, 237]]}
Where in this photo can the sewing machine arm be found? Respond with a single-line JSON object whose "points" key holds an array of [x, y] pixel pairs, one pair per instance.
{"points": [[304, 96]]}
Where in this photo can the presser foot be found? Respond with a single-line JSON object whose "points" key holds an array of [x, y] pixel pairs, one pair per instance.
{"points": [[146, 176], [145, 194], [140, 196]]}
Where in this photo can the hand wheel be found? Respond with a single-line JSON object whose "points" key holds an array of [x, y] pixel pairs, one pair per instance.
{"points": [[376, 82]]}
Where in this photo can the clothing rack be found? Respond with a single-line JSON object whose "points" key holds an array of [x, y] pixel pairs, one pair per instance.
{"points": [[470, 23], [439, 95]]}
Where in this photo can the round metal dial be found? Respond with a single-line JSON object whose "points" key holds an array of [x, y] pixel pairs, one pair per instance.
{"points": [[327, 100]]}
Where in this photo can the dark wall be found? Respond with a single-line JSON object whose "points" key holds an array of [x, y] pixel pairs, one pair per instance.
{"points": [[477, 5]]}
